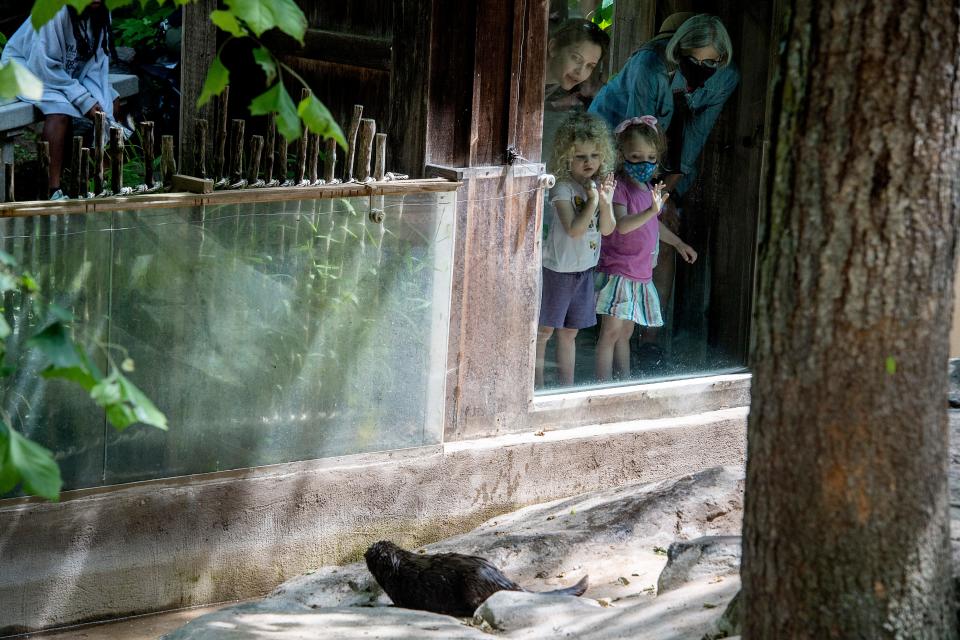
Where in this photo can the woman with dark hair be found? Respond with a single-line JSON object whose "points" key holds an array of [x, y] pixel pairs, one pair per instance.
{"points": [[574, 51], [70, 54]]}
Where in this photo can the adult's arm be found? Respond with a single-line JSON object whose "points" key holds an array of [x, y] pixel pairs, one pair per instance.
{"points": [[651, 94]]}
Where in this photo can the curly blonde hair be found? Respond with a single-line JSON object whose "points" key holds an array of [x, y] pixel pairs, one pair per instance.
{"points": [[581, 127]]}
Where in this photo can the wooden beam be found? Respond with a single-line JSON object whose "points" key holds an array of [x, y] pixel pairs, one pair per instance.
{"points": [[198, 48], [409, 85], [634, 23], [369, 52]]}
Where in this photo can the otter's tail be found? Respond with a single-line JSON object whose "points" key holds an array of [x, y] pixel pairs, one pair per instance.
{"points": [[576, 590]]}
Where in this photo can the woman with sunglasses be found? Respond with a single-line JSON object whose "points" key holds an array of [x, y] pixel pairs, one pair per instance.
{"points": [[683, 77]]}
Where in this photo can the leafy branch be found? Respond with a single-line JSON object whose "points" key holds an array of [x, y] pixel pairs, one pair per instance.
{"points": [[25, 462]]}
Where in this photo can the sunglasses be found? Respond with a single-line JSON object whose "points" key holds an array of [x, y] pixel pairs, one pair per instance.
{"points": [[708, 63]]}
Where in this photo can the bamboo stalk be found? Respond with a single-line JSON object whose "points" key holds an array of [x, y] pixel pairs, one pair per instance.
{"points": [[352, 143], [368, 129], [116, 159], [268, 149], [236, 149], [168, 163], [221, 140], [43, 175], [314, 153], [84, 171], [200, 148], [256, 148], [380, 164], [146, 139], [330, 161], [73, 188], [99, 127]]}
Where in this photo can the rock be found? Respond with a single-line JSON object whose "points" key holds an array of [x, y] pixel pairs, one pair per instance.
{"points": [[608, 534], [730, 623], [512, 610], [708, 556], [290, 621]]}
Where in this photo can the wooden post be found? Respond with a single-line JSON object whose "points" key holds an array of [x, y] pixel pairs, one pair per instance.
{"points": [[236, 149], [268, 149], [256, 148], [352, 143], [330, 161], [146, 139], [168, 164], [73, 188], [116, 159], [200, 148], [8, 181], [84, 171], [220, 143], [314, 157], [43, 170], [99, 128], [282, 160], [380, 163], [368, 128]]}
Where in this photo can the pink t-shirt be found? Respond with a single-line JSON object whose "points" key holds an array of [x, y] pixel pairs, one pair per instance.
{"points": [[631, 254]]}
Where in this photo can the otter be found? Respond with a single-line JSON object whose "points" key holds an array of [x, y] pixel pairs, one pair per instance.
{"points": [[449, 583]]}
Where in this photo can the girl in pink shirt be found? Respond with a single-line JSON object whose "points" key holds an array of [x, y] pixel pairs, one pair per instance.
{"points": [[626, 294]]}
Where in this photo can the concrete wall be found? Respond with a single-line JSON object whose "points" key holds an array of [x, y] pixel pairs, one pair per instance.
{"points": [[173, 543]]}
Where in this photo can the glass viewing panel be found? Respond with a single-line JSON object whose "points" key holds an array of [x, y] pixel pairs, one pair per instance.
{"points": [[650, 286], [268, 332]]}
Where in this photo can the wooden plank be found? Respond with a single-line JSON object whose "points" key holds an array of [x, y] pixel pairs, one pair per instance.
{"points": [[494, 36], [369, 52], [451, 84], [198, 48], [525, 112], [277, 194], [407, 121], [191, 184], [634, 23]]}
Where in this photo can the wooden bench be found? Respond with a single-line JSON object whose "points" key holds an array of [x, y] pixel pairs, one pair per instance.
{"points": [[15, 115]]}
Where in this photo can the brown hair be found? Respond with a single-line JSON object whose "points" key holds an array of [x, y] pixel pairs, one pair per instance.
{"points": [[651, 133], [576, 30]]}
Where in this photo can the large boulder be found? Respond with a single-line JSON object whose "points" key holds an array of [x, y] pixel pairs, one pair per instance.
{"points": [[707, 556]]}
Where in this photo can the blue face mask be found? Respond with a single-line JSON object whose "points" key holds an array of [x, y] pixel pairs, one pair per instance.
{"points": [[640, 171]]}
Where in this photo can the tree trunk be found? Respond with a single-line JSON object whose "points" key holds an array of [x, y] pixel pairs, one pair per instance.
{"points": [[846, 527]]}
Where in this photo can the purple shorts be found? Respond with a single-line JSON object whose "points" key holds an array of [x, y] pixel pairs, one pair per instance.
{"points": [[567, 300]]}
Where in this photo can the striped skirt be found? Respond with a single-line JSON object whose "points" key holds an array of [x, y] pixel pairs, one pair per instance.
{"points": [[621, 297]]}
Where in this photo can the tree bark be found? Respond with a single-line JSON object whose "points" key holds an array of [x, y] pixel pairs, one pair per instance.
{"points": [[846, 527]]}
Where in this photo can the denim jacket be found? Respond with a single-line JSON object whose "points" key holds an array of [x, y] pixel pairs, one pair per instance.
{"points": [[644, 87]]}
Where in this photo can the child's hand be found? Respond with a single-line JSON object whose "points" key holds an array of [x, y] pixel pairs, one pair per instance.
{"points": [[591, 188], [607, 187], [686, 252], [659, 197]]}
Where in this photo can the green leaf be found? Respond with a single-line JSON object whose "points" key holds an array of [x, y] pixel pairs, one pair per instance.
{"points": [[277, 100], [217, 79], [57, 345], [43, 11], [16, 80], [28, 283], [265, 59], [80, 375], [117, 4], [891, 365], [8, 282], [319, 120], [228, 22], [144, 409], [263, 15], [7, 259], [4, 328], [107, 392], [24, 461]]}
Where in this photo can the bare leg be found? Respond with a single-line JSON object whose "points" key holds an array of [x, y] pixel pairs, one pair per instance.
{"points": [[55, 128], [543, 336], [621, 351], [610, 329], [566, 355]]}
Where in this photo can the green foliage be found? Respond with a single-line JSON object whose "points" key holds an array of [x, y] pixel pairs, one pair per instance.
{"points": [[25, 462], [16, 80], [603, 16], [139, 31], [240, 19]]}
